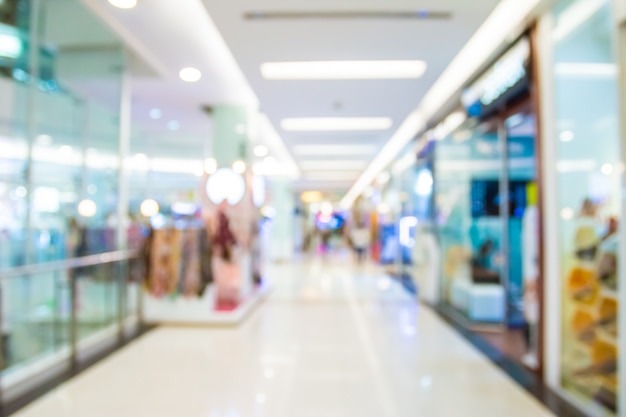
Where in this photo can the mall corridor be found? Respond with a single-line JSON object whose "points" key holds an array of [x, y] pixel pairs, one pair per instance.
{"points": [[332, 340]]}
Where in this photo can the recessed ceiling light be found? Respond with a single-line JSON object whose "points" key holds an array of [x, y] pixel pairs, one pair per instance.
{"points": [[261, 151], [149, 208], [239, 167], [336, 124], [156, 114], [87, 208], [323, 165], [343, 70], [190, 74], [173, 125], [316, 150], [123, 4], [332, 176]]}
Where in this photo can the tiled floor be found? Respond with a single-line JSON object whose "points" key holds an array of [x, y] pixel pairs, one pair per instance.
{"points": [[333, 340]]}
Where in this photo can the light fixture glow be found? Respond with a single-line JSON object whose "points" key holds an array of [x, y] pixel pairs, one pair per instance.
{"points": [[45, 140], [269, 160], [239, 167], [607, 169], [124, 4], [567, 213], [199, 172], [424, 184], [335, 124], [567, 136], [343, 150], [311, 197], [332, 176], [173, 125], [156, 114], [326, 209], [257, 169], [210, 165], [10, 46], [324, 165], [405, 226], [66, 149], [225, 185], [140, 162], [343, 70], [149, 208], [258, 191], [87, 208], [21, 192], [261, 151], [383, 208], [190, 74]]}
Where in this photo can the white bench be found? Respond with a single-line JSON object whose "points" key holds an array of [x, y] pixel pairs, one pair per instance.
{"points": [[481, 302]]}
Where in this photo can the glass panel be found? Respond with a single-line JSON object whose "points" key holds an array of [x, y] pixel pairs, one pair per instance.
{"points": [[97, 299], [14, 24], [468, 171], [36, 318], [589, 170], [62, 102], [523, 230]]}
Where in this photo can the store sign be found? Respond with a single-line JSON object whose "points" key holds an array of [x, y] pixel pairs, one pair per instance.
{"points": [[503, 77]]}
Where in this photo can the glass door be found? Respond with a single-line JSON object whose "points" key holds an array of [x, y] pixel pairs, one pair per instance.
{"points": [[523, 231]]}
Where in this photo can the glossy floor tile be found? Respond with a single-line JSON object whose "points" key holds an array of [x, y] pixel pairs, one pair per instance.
{"points": [[333, 340]]}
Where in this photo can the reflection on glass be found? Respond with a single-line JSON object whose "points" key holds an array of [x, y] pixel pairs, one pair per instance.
{"points": [[468, 171], [36, 317]]}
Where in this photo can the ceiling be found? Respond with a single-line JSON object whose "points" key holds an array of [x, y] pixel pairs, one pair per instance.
{"points": [[254, 42], [215, 36]]}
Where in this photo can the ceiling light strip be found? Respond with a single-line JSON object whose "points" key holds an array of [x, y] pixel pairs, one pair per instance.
{"points": [[336, 124], [334, 150], [508, 17], [325, 165], [343, 70]]}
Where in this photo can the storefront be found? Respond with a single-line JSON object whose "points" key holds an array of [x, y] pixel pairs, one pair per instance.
{"points": [[528, 177], [487, 213]]}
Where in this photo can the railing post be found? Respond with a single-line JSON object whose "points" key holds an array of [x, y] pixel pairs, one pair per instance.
{"points": [[73, 321]]}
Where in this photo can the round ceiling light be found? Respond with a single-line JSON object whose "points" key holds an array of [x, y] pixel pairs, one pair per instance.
{"points": [[239, 167], [124, 4], [149, 208], [190, 74], [227, 185], [87, 208]]}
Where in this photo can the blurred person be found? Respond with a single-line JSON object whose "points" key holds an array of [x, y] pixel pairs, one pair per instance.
{"points": [[360, 238]]}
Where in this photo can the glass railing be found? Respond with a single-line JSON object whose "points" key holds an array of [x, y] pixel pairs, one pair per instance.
{"points": [[53, 312]]}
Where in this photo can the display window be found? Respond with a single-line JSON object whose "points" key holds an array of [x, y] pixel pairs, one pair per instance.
{"points": [[588, 177]]}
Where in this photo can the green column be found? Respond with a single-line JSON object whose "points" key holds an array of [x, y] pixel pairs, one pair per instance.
{"points": [[230, 139]]}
